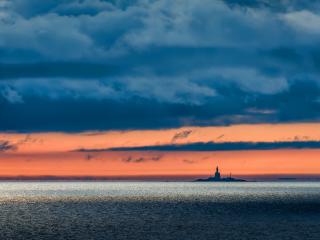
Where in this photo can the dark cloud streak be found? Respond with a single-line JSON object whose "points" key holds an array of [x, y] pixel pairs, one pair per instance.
{"points": [[221, 146]]}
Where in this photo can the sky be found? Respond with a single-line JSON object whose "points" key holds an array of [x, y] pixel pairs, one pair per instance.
{"points": [[159, 87]]}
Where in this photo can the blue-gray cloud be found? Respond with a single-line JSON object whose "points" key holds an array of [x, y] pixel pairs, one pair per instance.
{"points": [[123, 64], [214, 146]]}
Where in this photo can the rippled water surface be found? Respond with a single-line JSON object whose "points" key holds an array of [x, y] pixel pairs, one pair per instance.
{"points": [[138, 210]]}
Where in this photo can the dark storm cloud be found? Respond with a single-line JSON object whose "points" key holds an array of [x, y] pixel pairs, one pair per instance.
{"points": [[226, 146], [279, 5], [56, 70], [299, 103], [120, 64]]}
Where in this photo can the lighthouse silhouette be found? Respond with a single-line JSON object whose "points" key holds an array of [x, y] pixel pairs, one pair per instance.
{"points": [[217, 175]]}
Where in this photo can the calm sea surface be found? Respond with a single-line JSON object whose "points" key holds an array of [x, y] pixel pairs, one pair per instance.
{"points": [[162, 210]]}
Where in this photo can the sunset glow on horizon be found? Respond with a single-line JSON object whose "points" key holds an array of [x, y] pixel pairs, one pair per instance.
{"points": [[58, 154]]}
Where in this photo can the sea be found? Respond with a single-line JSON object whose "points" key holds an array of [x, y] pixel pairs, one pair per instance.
{"points": [[159, 210]]}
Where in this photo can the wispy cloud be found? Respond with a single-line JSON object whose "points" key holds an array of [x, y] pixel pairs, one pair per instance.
{"points": [[89, 157], [141, 159], [6, 146], [181, 135], [188, 161]]}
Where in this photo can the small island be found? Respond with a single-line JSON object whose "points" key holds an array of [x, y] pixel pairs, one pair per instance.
{"points": [[217, 178]]}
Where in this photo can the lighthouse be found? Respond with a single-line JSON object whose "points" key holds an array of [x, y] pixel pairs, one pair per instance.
{"points": [[217, 174], [217, 178]]}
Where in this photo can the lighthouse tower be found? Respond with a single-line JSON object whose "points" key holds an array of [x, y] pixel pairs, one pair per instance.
{"points": [[217, 174]]}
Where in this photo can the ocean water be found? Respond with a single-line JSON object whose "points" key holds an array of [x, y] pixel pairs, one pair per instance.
{"points": [[159, 210]]}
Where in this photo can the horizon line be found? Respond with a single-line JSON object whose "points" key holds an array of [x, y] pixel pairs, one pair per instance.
{"points": [[159, 177]]}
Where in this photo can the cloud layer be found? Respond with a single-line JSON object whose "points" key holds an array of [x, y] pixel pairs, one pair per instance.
{"points": [[213, 146], [93, 65]]}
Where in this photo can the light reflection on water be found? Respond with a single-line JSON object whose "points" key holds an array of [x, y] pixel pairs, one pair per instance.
{"points": [[63, 189], [159, 210], [263, 190]]}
